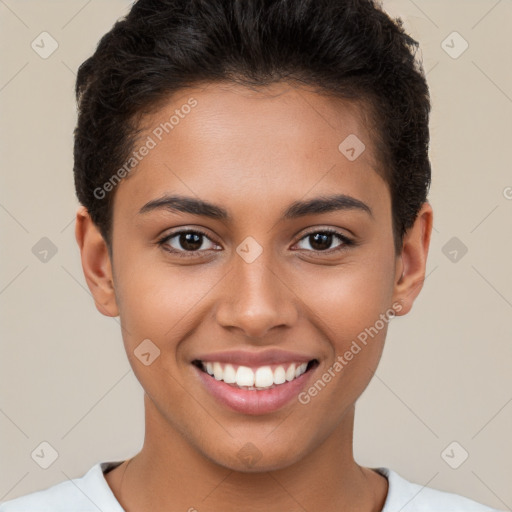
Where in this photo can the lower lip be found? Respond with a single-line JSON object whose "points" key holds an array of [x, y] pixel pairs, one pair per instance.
{"points": [[253, 401]]}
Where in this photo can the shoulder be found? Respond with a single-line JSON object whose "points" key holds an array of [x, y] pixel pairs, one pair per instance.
{"points": [[89, 492], [405, 496]]}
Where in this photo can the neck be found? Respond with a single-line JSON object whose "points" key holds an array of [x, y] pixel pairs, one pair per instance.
{"points": [[174, 475]]}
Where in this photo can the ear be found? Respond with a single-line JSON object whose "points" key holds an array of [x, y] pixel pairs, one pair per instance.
{"points": [[411, 264], [96, 263]]}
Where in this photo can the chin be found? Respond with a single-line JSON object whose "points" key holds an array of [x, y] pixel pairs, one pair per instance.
{"points": [[255, 458]]}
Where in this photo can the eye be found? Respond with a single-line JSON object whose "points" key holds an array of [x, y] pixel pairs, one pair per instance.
{"points": [[186, 241], [321, 240], [190, 242]]}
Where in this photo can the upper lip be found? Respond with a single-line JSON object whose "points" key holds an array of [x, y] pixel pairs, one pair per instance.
{"points": [[259, 358]]}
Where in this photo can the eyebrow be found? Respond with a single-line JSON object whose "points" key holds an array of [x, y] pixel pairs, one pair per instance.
{"points": [[318, 205]]}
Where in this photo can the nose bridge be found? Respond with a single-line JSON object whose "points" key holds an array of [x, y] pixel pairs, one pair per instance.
{"points": [[255, 299]]}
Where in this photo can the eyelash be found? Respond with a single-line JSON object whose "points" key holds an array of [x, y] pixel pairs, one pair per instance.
{"points": [[347, 242]]}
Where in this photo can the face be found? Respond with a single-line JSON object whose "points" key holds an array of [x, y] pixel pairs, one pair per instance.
{"points": [[261, 276]]}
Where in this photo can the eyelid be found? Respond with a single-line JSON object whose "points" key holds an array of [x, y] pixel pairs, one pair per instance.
{"points": [[346, 240], [165, 238], [323, 229]]}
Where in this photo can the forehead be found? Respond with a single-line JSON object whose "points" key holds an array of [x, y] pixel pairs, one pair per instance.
{"points": [[278, 142]]}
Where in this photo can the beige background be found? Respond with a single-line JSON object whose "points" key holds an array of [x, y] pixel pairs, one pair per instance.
{"points": [[445, 374]]}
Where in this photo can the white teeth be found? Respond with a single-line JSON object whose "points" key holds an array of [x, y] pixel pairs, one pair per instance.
{"points": [[262, 378], [300, 369], [217, 371], [244, 376], [229, 376], [290, 373], [279, 375]]}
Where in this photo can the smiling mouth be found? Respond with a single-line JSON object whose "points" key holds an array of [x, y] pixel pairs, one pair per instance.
{"points": [[255, 378]]}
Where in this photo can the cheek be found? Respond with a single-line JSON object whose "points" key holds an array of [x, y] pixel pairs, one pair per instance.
{"points": [[350, 298], [159, 301], [354, 313], [162, 302]]}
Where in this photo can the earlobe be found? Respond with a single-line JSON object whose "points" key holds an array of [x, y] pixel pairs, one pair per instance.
{"points": [[411, 264], [96, 263]]}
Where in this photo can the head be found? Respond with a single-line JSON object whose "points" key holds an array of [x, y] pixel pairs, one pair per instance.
{"points": [[264, 110]]}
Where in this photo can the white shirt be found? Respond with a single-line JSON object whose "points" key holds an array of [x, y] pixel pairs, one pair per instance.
{"points": [[91, 492]]}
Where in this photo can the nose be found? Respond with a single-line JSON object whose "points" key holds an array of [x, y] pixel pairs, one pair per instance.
{"points": [[256, 298]]}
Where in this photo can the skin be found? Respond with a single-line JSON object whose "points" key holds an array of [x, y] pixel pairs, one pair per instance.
{"points": [[253, 153]]}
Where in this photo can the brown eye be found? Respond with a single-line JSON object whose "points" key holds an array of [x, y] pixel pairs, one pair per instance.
{"points": [[321, 241], [186, 241]]}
